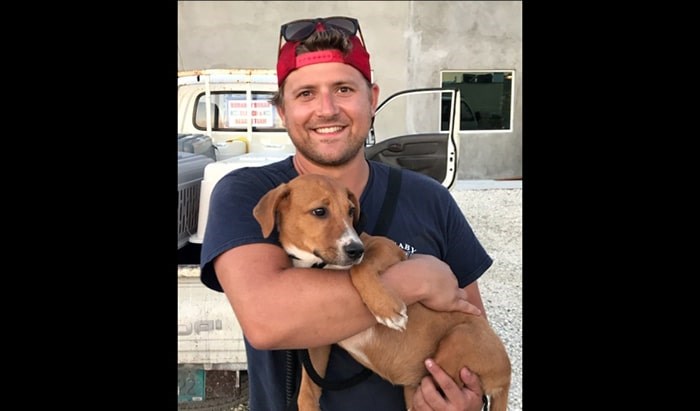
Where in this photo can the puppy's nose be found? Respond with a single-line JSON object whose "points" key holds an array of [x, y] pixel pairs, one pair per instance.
{"points": [[354, 250]]}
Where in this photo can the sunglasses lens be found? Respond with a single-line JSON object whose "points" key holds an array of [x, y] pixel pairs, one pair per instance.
{"points": [[297, 31], [343, 24]]}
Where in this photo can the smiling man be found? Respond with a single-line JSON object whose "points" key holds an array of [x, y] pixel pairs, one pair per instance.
{"points": [[326, 100]]}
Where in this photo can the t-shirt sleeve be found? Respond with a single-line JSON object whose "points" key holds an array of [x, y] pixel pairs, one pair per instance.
{"points": [[430, 217], [464, 252], [230, 221]]}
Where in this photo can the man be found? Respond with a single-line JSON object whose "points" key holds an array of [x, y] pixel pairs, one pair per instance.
{"points": [[326, 100]]}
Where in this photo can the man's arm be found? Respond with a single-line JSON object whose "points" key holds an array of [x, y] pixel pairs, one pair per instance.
{"points": [[280, 307]]}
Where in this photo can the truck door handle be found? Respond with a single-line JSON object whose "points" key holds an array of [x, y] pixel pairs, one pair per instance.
{"points": [[395, 147]]}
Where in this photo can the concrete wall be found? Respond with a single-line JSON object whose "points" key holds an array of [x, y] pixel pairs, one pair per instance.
{"points": [[409, 43]]}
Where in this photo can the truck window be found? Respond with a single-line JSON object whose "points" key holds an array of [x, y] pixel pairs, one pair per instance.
{"points": [[231, 111], [467, 119]]}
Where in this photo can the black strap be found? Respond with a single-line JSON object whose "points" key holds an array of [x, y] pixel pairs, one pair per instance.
{"points": [[387, 212], [386, 215], [292, 380], [331, 385]]}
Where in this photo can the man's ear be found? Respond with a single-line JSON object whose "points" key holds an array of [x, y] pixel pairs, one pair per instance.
{"points": [[282, 114], [374, 98]]}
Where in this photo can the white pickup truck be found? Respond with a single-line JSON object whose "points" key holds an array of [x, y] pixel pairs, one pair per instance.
{"points": [[226, 121]]}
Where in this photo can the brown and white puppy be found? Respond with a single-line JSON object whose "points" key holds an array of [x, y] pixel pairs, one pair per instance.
{"points": [[314, 216]]}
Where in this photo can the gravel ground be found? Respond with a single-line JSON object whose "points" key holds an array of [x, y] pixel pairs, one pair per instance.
{"points": [[494, 210], [495, 215]]}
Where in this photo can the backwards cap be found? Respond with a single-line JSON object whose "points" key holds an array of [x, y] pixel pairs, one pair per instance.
{"points": [[288, 61]]}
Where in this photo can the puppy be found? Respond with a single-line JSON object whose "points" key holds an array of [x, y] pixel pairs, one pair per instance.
{"points": [[314, 216]]}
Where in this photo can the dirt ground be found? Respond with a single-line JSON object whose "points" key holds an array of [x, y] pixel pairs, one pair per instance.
{"points": [[221, 393]]}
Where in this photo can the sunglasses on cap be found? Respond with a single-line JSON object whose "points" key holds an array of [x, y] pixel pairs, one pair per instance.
{"points": [[299, 30]]}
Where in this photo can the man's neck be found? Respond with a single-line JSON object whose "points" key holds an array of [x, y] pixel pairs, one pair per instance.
{"points": [[353, 174]]}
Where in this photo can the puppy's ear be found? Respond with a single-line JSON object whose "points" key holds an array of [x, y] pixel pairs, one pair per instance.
{"points": [[355, 203], [266, 209]]}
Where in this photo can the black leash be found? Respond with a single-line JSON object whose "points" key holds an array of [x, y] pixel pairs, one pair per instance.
{"points": [[327, 384]]}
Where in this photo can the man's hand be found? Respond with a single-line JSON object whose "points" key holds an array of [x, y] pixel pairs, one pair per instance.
{"points": [[428, 398], [440, 290]]}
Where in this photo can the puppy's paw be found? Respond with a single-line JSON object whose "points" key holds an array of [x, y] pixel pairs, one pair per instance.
{"points": [[397, 322]]}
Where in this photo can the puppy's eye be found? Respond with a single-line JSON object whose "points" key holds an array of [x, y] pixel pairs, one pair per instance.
{"points": [[351, 213], [319, 212]]}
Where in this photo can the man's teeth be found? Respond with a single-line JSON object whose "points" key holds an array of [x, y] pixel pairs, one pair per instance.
{"points": [[328, 129]]}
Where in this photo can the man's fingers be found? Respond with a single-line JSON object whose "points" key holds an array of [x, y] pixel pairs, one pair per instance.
{"points": [[418, 400], [468, 307], [445, 382], [455, 397], [427, 396], [469, 379], [464, 305], [471, 382]]}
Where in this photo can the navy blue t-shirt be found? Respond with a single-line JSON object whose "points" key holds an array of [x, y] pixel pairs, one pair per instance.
{"points": [[426, 220]]}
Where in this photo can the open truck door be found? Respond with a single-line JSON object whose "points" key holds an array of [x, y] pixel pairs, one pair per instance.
{"points": [[406, 133]]}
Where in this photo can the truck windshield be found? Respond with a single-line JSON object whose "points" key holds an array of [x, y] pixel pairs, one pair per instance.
{"points": [[231, 111]]}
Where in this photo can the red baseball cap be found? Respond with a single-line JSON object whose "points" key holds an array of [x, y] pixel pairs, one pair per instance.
{"points": [[288, 61]]}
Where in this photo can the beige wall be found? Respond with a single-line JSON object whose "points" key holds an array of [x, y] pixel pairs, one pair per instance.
{"points": [[409, 43]]}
